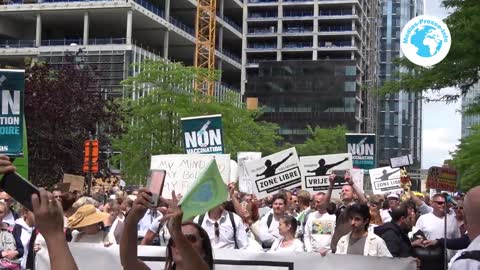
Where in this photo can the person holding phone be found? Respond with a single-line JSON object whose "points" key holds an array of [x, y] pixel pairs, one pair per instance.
{"points": [[49, 221], [188, 248]]}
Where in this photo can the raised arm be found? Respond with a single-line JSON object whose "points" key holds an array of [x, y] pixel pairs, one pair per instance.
{"points": [[236, 203], [49, 221], [128, 241], [356, 189]]}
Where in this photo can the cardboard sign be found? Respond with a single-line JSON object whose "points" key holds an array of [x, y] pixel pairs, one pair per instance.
{"points": [[362, 148], [318, 169], [77, 182], [63, 187], [12, 88], [203, 134], [245, 181], [442, 178], [385, 180], [273, 173], [182, 170]]}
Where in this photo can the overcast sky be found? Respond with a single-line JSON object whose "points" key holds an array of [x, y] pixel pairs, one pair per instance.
{"points": [[441, 122]]}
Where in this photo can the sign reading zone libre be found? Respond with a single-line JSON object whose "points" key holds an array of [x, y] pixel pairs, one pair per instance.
{"points": [[12, 85], [273, 173], [203, 134]]}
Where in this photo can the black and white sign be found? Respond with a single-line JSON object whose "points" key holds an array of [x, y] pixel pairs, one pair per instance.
{"points": [[281, 170], [385, 180], [318, 169]]}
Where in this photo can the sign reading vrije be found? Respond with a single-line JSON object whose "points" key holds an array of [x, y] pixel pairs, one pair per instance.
{"points": [[12, 85], [203, 134]]}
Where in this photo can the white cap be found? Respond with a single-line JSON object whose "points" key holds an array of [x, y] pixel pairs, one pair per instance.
{"points": [[393, 195]]}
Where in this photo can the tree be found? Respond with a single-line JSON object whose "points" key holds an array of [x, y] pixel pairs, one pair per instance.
{"points": [[459, 69], [159, 96], [323, 141], [62, 106], [465, 160]]}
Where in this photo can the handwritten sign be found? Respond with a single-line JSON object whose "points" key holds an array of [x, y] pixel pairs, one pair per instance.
{"points": [[442, 178], [183, 169], [245, 182], [77, 182]]}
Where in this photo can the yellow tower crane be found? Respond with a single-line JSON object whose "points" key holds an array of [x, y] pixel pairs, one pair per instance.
{"points": [[205, 44]]}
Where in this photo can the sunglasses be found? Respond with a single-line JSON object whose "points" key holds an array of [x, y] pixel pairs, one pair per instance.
{"points": [[457, 208], [439, 203], [190, 237], [217, 230]]}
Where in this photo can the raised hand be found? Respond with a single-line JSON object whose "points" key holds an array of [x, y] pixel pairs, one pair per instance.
{"points": [[331, 179], [48, 214], [142, 203], [174, 216], [5, 165], [348, 178]]}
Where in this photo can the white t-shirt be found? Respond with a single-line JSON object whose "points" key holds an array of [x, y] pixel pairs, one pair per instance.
{"points": [[296, 246], [433, 226], [318, 231]]}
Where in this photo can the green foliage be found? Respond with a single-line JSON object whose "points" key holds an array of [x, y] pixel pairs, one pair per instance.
{"points": [[163, 94], [459, 69], [465, 160], [323, 141]]}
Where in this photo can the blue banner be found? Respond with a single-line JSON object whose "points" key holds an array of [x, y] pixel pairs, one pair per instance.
{"points": [[12, 88], [203, 134]]}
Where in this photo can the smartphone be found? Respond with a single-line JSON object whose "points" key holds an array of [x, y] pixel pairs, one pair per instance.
{"points": [[339, 173], [155, 184], [19, 188]]}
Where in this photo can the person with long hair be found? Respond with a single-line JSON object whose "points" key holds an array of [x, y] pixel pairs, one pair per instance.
{"points": [[376, 219], [188, 248], [287, 228]]}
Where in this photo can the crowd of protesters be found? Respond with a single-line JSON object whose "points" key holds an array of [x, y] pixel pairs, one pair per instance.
{"points": [[288, 221]]}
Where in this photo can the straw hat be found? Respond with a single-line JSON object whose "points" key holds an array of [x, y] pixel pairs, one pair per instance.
{"points": [[85, 216]]}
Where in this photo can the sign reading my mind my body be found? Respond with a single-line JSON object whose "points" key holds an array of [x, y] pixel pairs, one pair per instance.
{"points": [[12, 84]]}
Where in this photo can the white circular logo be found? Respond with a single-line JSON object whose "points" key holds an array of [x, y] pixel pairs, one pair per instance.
{"points": [[425, 40]]}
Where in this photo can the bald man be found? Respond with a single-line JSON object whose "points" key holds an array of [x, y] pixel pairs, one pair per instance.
{"points": [[470, 257]]}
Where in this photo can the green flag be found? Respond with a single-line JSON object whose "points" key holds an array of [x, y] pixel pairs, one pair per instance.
{"points": [[207, 192]]}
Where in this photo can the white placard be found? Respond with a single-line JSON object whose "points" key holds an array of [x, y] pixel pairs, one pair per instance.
{"points": [[272, 173], [183, 169], [318, 168], [228, 259], [245, 182], [385, 180], [357, 178]]}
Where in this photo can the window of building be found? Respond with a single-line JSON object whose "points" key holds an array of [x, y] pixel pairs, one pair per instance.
{"points": [[349, 104], [350, 87], [350, 71]]}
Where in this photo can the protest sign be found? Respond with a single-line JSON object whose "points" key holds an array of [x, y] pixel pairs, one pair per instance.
{"points": [[245, 181], [357, 178], [182, 170], [318, 169], [442, 178], [385, 180], [203, 134], [362, 148], [281, 170], [228, 259], [77, 182], [12, 88]]}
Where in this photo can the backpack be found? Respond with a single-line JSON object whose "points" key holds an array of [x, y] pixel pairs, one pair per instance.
{"points": [[230, 215], [471, 255]]}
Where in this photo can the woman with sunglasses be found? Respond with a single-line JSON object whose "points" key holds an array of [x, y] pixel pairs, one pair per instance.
{"points": [[188, 248]]}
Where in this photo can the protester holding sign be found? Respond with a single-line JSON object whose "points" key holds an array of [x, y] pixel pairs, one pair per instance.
{"points": [[188, 248]]}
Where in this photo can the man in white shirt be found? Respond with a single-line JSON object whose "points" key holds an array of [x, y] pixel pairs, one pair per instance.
{"points": [[268, 232], [319, 227], [470, 257], [393, 202], [433, 224], [225, 229]]}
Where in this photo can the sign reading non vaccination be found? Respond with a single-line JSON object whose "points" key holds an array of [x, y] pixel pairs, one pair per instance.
{"points": [[12, 86], [362, 148], [203, 134]]}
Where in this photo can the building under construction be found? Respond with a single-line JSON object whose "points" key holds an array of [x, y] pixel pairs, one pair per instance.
{"points": [[113, 35]]}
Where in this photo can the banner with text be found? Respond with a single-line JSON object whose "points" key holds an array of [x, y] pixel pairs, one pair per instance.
{"points": [[203, 134], [229, 259], [362, 148], [182, 170], [278, 171], [245, 181], [442, 178], [318, 169], [385, 180], [12, 88]]}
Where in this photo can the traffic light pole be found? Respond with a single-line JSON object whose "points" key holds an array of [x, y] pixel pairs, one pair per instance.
{"points": [[89, 174]]}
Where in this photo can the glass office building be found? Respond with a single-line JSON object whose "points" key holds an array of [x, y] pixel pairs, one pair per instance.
{"points": [[400, 115]]}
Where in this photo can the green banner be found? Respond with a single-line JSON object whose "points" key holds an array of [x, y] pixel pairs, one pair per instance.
{"points": [[362, 148], [12, 87], [203, 134]]}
